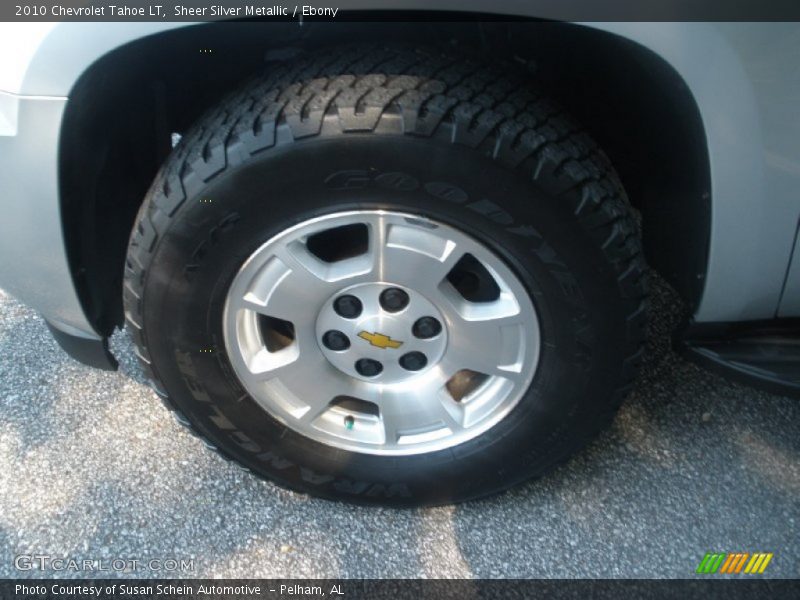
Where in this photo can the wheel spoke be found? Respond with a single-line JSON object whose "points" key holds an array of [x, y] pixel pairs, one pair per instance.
{"points": [[287, 288], [456, 361], [410, 254], [311, 380], [427, 415], [492, 346], [425, 273], [304, 289]]}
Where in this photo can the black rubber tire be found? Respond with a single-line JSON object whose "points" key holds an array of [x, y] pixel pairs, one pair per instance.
{"points": [[467, 143]]}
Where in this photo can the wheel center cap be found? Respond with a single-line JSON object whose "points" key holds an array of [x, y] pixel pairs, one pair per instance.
{"points": [[380, 332]]}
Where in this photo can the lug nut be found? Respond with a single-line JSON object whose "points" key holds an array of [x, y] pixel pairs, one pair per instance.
{"points": [[368, 367], [393, 299], [426, 328], [347, 306], [335, 340], [413, 361]]}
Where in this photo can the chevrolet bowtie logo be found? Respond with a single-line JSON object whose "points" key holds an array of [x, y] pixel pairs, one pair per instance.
{"points": [[380, 340]]}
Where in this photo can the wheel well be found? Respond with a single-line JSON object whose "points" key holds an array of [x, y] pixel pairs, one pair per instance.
{"points": [[117, 126]]}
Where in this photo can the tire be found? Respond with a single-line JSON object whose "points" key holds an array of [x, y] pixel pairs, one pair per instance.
{"points": [[467, 145]]}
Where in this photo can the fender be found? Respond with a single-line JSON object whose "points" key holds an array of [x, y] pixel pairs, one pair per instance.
{"points": [[753, 159]]}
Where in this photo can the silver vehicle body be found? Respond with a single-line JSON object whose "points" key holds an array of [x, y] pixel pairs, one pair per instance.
{"points": [[744, 78]]}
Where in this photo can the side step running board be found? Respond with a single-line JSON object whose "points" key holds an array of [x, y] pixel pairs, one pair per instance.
{"points": [[763, 354]]}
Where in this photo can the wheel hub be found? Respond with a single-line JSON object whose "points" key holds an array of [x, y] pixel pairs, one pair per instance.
{"points": [[383, 332]]}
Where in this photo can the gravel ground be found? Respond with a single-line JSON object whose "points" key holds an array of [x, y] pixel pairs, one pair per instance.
{"points": [[92, 466]]}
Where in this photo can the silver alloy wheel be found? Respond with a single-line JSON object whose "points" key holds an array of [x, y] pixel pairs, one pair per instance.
{"points": [[322, 325]]}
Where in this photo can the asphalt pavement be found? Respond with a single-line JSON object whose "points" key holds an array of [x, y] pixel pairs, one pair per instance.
{"points": [[92, 467]]}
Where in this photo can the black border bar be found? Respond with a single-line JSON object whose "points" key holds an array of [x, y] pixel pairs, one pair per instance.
{"points": [[404, 10], [397, 589]]}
